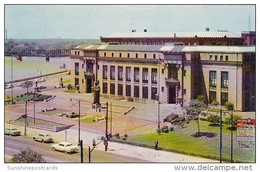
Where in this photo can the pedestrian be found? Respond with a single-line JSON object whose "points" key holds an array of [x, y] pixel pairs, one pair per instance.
{"points": [[156, 145]]}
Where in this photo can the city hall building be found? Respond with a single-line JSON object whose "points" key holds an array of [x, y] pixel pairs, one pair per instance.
{"points": [[168, 71]]}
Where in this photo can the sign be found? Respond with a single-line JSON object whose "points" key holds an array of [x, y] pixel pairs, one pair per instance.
{"points": [[246, 130]]}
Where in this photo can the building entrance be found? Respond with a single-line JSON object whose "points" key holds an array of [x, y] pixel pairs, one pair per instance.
{"points": [[89, 85], [172, 94]]}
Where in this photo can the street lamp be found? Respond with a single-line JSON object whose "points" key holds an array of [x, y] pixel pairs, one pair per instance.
{"points": [[78, 100], [232, 126], [158, 108]]}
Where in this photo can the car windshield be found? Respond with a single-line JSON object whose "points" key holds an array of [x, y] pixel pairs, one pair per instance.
{"points": [[69, 145]]}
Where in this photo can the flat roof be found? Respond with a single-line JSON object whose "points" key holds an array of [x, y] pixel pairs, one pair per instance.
{"points": [[199, 34]]}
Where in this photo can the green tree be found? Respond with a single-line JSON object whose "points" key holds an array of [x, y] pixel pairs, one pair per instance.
{"points": [[27, 156], [195, 107], [229, 106], [27, 85], [213, 119], [229, 121]]}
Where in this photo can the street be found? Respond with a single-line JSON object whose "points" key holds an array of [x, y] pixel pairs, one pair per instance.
{"points": [[14, 145]]}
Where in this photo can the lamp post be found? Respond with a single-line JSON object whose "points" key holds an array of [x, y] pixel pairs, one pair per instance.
{"points": [[25, 118], [158, 110], [231, 135], [78, 100]]}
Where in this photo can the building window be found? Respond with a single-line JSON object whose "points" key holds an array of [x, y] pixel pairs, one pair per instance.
{"points": [[154, 56], [145, 75], [75, 52], [221, 58], [136, 91], [162, 89], [136, 55], [162, 71], [212, 78], [105, 54], [128, 90], [226, 58], [120, 54], [112, 54], [82, 81], [154, 92], [212, 96], [76, 81], [128, 55], [128, 74], [120, 89], [112, 72], [112, 88], [224, 79], [224, 98], [104, 71], [210, 57], [104, 87], [145, 92], [145, 56], [154, 76], [136, 74], [76, 68], [120, 73], [216, 57]]}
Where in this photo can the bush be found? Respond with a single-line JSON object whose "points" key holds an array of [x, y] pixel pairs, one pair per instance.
{"points": [[117, 134], [171, 128], [229, 106], [123, 138], [165, 129], [213, 119], [158, 130], [69, 86], [235, 118], [129, 99], [170, 117], [21, 95], [27, 156], [125, 135], [201, 98], [179, 119], [215, 102]]}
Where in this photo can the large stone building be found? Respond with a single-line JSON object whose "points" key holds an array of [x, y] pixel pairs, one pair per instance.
{"points": [[174, 73]]}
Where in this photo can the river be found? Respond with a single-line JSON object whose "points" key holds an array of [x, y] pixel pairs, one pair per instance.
{"points": [[34, 66]]}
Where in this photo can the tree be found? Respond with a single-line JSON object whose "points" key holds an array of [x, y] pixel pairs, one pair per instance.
{"points": [[27, 156], [27, 85], [195, 107], [214, 120], [229, 106], [229, 122]]}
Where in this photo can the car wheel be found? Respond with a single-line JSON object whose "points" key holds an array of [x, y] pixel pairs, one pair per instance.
{"points": [[42, 141], [33, 138], [53, 149]]}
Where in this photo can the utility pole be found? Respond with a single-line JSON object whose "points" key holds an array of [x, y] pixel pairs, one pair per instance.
{"points": [[111, 119], [81, 151], [79, 122], [12, 85], [89, 155], [106, 119], [34, 112], [220, 137], [25, 118], [232, 125]]}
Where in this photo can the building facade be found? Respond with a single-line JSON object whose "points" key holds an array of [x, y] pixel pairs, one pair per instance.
{"points": [[171, 73]]}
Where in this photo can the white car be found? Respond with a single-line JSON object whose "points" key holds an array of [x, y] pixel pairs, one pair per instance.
{"points": [[19, 85], [10, 86], [42, 80], [57, 86], [64, 147]]}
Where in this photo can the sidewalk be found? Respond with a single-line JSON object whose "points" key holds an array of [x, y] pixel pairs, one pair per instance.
{"points": [[146, 154]]}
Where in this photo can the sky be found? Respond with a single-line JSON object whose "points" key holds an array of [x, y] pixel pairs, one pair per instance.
{"points": [[93, 21]]}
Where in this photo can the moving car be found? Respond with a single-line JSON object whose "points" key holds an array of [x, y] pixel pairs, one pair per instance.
{"points": [[64, 147], [12, 131], [44, 138]]}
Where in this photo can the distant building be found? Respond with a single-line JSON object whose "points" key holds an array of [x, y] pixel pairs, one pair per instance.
{"points": [[176, 73], [249, 37], [178, 38]]}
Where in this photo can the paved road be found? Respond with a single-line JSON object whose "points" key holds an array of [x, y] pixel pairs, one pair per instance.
{"points": [[14, 145]]}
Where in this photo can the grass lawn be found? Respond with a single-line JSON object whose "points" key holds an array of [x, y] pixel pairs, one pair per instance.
{"points": [[70, 91], [53, 112], [181, 140], [26, 97], [90, 119], [67, 81]]}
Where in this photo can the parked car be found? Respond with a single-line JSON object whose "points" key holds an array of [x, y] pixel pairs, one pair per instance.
{"points": [[57, 86], [43, 138], [10, 86], [42, 87], [42, 80], [19, 85], [72, 115], [12, 131], [65, 147]]}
